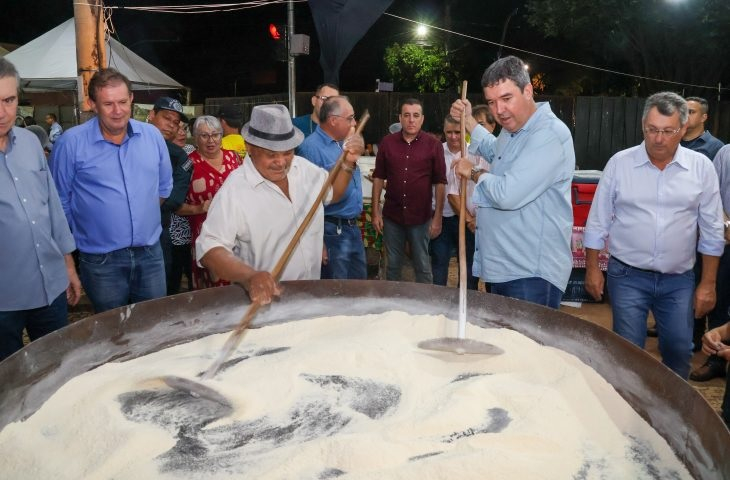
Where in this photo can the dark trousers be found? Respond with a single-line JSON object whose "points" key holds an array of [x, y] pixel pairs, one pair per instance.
{"points": [[178, 261], [441, 248], [37, 321]]}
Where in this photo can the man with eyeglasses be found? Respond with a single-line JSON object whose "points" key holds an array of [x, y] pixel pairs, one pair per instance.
{"points": [[344, 255], [308, 123], [650, 203], [112, 174]]}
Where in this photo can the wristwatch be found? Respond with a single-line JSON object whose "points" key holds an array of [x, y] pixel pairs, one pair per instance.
{"points": [[475, 172]]}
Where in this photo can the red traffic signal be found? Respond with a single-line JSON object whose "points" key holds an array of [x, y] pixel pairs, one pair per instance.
{"points": [[274, 32]]}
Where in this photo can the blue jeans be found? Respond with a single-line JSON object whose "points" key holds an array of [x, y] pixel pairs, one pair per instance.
{"points": [[443, 245], [345, 251], [394, 239], [124, 276], [670, 297], [532, 289], [37, 321]]}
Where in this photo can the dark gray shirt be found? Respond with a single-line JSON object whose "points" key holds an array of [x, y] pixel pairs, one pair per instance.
{"points": [[706, 144], [34, 234]]}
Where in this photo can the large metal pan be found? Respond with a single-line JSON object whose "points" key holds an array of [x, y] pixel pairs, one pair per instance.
{"points": [[670, 405]]}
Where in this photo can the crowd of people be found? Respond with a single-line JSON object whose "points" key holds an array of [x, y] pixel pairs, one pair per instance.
{"points": [[144, 209]]}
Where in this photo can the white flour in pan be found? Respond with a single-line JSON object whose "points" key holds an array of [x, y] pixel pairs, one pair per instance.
{"points": [[342, 397]]}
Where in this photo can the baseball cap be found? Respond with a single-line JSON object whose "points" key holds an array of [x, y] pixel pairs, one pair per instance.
{"points": [[230, 112], [167, 103]]}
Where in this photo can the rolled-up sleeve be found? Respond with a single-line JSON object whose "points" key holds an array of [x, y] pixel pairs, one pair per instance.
{"points": [[710, 223]]}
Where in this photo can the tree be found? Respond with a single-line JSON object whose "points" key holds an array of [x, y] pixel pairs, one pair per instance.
{"points": [[676, 41], [418, 68]]}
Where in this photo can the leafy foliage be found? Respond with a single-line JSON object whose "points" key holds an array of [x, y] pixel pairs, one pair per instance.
{"points": [[669, 40], [417, 68]]}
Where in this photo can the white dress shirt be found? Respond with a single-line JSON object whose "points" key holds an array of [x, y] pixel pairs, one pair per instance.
{"points": [[251, 217], [651, 217], [454, 183]]}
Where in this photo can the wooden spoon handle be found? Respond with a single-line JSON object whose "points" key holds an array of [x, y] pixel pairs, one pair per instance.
{"points": [[462, 227], [235, 338]]}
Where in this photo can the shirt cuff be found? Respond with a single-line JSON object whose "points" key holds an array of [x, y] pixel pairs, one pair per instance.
{"points": [[593, 240]]}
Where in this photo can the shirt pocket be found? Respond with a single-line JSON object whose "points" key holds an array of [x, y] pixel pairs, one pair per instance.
{"points": [[36, 191]]}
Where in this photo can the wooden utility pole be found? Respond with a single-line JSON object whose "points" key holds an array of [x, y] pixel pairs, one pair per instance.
{"points": [[90, 45]]}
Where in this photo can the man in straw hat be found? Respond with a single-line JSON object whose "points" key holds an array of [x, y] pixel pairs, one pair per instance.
{"points": [[257, 210]]}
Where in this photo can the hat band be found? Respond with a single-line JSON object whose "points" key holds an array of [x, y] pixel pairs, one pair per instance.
{"points": [[271, 136]]}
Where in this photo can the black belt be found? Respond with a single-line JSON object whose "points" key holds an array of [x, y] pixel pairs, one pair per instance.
{"points": [[341, 221], [645, 270]]}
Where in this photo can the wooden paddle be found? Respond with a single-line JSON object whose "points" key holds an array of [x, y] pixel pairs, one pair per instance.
{"points": [[460, 344], [234, 339]]}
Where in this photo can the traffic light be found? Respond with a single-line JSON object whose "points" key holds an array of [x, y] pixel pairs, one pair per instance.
{"points": [[274, 31], [277, 33]]}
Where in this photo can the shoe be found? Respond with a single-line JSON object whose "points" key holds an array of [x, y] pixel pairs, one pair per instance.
{"points": [[711, 369]]}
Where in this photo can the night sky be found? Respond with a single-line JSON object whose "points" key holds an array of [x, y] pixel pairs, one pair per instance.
{"points": [[227, 54]]}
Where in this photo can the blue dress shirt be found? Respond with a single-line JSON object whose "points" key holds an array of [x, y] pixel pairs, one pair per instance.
{"points": [[323, 151], [305, 124], [524, 211], [35, 235], [651, 217], [111, 193]]}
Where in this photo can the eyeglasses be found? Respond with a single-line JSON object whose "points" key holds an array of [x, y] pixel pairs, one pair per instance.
{"points": [[208, 136], [350, 118], [321, 97], [655, 132]]}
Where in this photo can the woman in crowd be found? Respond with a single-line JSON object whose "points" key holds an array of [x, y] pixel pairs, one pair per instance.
{"points": [[211, 166]]}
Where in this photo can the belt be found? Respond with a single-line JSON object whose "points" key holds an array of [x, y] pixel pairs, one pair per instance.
{"points": [[341, 221], [645, 270]]}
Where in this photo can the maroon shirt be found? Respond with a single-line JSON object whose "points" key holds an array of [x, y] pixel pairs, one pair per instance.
{"points": [[410, 169]]}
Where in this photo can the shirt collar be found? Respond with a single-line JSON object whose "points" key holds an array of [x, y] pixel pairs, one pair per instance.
{"points": [[11, 140], [417, 137], [254, 177], [324, 135], [96, 135], [680, 157]]}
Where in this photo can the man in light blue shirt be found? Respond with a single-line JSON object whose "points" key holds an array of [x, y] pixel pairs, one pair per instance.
{"points": [[345, 251], [112, 172], [650, 203], [524, 212], [55, 129], [36, 244]]}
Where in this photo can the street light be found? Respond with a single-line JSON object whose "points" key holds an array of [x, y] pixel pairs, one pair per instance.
{"points": [[421, 31]]}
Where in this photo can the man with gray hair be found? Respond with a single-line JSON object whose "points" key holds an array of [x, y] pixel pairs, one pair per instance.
{"points": [[36, 243], [344, 256], [649, 205], [524, 211]]}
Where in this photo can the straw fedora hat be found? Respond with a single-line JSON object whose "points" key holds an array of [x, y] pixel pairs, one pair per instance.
{"points": [[271, 128]]}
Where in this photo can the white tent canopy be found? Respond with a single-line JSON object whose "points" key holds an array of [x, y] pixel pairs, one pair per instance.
{"points": [[49, 63]]}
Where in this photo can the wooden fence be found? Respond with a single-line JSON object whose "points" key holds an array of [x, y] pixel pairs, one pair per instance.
{"points": [[601, 126]]}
